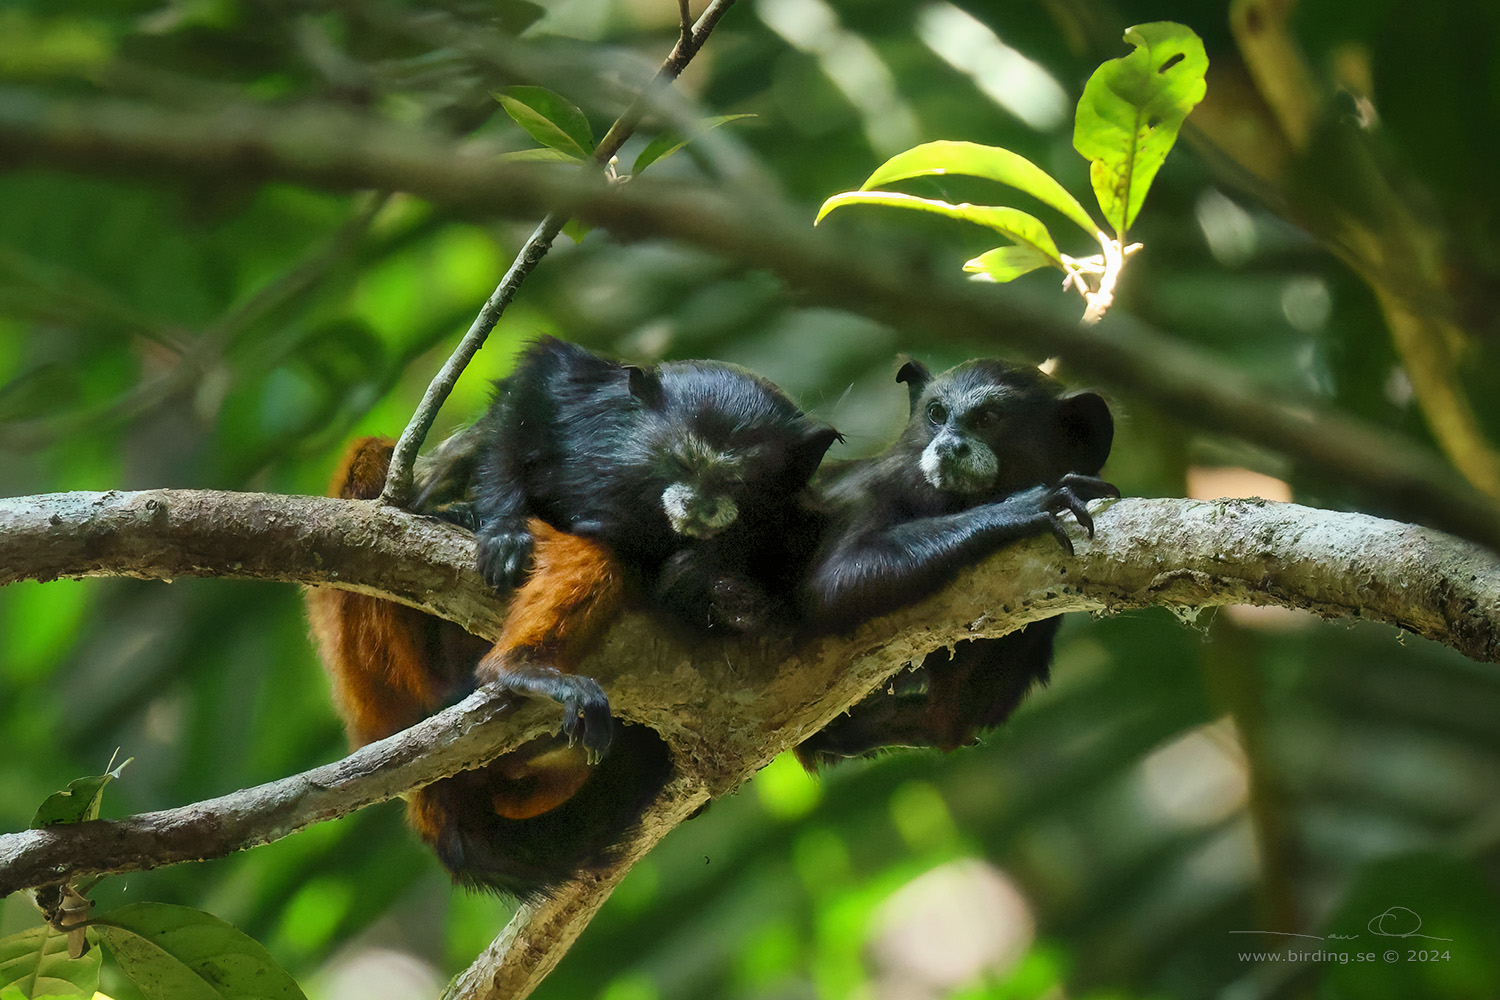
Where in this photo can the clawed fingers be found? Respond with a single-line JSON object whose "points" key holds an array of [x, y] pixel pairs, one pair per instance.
{"points": [[587, 720], [1059, 532], [1072, 494], [1089, 487]]}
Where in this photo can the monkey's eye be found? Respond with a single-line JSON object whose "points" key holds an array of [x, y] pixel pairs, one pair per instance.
{"points": [[937, 412], [987, 419]]}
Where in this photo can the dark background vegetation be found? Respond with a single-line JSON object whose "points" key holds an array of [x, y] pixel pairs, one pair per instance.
{"points": [[1179, 781]]}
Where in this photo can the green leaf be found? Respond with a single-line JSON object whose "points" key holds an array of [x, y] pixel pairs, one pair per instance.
{"points": [[511, 17], [36, 963], [543, 155], [1015, 224], [989, 162], [78, 802], [669, 142], [549, 119], [1005, 263], [178, 953], [1131, 111]]}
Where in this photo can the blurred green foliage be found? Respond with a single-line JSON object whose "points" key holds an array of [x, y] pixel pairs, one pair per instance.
{"points": [[1175, 785]]}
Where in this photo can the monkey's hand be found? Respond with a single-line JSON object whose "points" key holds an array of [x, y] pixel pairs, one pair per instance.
{"points": [[460, 512], [586, 717], [504, 553], [1072, 493]]}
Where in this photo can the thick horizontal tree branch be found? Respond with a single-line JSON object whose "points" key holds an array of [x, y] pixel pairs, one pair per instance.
{"points": [[725, 710], [1147, 552], [164, 534], [337, 150]]}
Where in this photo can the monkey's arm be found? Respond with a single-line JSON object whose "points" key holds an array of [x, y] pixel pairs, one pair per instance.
{"points": [[572, 594], [877, 570], [499, 508]]}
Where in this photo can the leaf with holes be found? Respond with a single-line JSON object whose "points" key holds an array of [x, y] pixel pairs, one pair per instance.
{"points": [[1131, 111], [989, 162], [549, 119], [1014, 224], [178, 953]]}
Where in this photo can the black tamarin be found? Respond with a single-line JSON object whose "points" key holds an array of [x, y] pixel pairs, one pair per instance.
{"points": [[993, 452], [683, 486]]}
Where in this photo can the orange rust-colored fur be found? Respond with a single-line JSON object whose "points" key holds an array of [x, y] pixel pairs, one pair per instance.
{"points": [[374, 649], [393, 666]]}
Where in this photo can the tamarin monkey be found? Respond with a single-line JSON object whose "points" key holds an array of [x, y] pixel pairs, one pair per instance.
{"points": [[993, 452], [683, 485]]}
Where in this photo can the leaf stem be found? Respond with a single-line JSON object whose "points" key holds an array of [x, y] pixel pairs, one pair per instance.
{"points": [[1107, 265]]}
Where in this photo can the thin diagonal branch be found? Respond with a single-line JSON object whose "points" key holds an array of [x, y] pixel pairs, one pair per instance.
{"points": [[464, 736], [398, 484]]}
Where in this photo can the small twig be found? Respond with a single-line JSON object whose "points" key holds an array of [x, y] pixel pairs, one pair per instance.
{"points": [[398, 484]]}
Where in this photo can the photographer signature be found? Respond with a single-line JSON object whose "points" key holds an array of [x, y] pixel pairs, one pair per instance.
{"points": [[1395, 922]]}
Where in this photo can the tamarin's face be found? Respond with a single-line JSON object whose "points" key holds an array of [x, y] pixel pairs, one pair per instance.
{"points": [[699, 498], [968, 414], [958, 459], [725, 445], [987, 428]]}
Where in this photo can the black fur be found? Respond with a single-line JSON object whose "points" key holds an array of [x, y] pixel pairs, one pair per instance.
{"points": [[694, 473], [993, 452], [528, 858]]}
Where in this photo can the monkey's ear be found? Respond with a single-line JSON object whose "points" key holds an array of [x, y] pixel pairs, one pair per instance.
{"points": [[645, 385], [1085, 431], [807, 453], [916, 376]]}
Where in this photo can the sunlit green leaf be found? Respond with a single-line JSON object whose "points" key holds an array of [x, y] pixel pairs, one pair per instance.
{"points": [[669, 142], [1012, 222], [549, 119], [178, 953], [1005, 263], [1131, 111], [76, 803], [990, 162], [35, 962]]}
